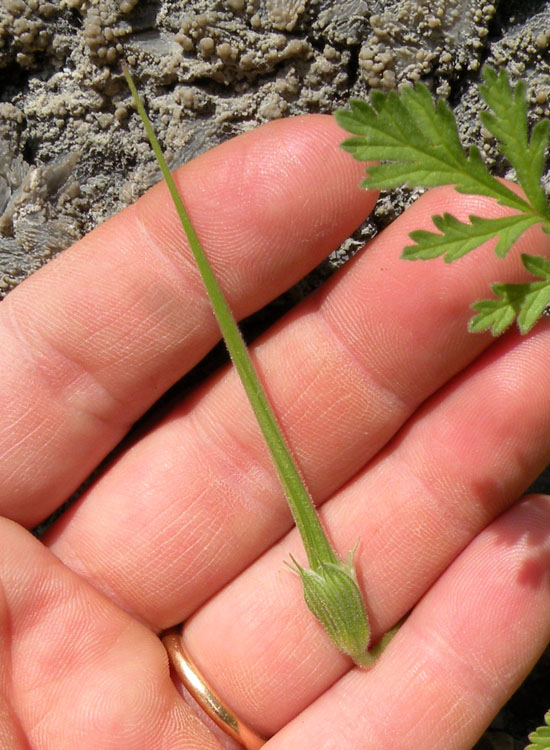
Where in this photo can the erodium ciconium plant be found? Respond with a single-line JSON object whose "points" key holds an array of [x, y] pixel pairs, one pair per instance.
{"points": [[330, 585], [412, 141]]}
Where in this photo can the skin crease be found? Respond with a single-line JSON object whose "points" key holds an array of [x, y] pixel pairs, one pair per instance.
{"points": [[412, 434]]}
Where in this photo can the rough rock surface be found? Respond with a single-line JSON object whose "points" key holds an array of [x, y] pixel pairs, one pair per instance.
{"points": [[72, 151]]}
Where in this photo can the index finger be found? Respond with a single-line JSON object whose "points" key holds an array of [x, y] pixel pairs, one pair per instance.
{"points": [[95, 337]]}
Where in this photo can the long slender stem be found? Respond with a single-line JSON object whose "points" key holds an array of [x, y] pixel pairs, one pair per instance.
{"points": [[315, 541]]}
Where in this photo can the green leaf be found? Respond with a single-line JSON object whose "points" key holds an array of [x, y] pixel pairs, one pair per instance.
{"points": [[536, 265], [534, 304], [457, 238], [418, 143], [493, 315], [540, 739], [416, 140], [527, 302], [508, 123]]}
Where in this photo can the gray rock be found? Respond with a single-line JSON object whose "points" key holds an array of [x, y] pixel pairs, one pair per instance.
{"points": [[207, 71]]}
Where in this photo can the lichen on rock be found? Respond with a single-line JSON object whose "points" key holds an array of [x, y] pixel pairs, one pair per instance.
{"points": [[419, 39], [207, 71]]}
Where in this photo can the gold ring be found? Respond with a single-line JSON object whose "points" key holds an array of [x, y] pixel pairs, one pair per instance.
{"points": [[190, 676]]}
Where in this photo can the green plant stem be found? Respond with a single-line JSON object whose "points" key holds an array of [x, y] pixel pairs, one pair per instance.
{"points": [[315, 541]]}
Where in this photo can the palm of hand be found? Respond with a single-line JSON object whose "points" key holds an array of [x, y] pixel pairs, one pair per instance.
{"points": [[397, 421]]}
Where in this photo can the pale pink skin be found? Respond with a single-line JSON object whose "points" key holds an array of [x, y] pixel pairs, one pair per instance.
{"points": [[415, 436]]}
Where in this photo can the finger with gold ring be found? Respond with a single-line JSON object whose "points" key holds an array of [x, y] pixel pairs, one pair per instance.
{"points": [[194, 682]]}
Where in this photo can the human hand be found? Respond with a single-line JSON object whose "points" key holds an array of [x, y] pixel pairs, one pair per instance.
{"points": [[414, 434]]}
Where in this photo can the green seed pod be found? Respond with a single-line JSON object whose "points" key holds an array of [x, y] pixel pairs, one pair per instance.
{"points": [[333, 596]]}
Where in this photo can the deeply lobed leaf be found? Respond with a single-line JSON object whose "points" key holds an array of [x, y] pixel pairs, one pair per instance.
{"points": [[457, 238], [527, 302], [418, 142], [508, 123], [540, 739]]}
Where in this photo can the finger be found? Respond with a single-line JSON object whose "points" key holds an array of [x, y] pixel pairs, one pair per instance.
{"points": [[75, 670], [191, 505], [462, 652], [456, 465], [94, 338]]}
